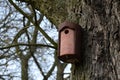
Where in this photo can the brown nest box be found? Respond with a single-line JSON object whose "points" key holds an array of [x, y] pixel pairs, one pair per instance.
{"points": [[69, 48]]}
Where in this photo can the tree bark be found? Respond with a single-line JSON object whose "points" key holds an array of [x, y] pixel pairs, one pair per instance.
{"points": [[100, 20]]}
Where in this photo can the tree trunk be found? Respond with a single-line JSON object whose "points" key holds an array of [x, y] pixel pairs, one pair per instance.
{"points": [[101, 44], [24, 68]]}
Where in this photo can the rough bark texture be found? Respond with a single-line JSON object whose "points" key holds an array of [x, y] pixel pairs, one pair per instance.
{"points": [[100, 20]]}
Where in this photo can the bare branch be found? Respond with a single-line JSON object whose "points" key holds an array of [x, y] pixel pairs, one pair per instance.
{"points": [[38, 27], [22, 44], [51, 70], [37, 63]]}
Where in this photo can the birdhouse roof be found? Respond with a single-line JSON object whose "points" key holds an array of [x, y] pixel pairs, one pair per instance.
{"points": [[67, 24]]}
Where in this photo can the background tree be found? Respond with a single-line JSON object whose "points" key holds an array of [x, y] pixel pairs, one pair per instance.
{"points": [[100, 21], [25, 43]]}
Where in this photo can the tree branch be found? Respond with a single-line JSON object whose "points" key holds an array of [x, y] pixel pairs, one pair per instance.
{"points": [[52, 68], [22, 44], [38, 27], [37, 63]]}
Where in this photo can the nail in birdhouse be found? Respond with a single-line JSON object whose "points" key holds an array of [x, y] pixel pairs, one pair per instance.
{"points": [[69, 42]]}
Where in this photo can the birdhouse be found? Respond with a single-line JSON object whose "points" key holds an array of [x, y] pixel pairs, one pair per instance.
{"points": [[69, 42]]}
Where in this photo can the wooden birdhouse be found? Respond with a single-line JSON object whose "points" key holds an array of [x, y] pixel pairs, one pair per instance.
{"points": [[69, 42]]}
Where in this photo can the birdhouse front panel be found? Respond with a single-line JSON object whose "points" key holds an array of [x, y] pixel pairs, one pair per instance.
{"points": [[67, 44]]}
